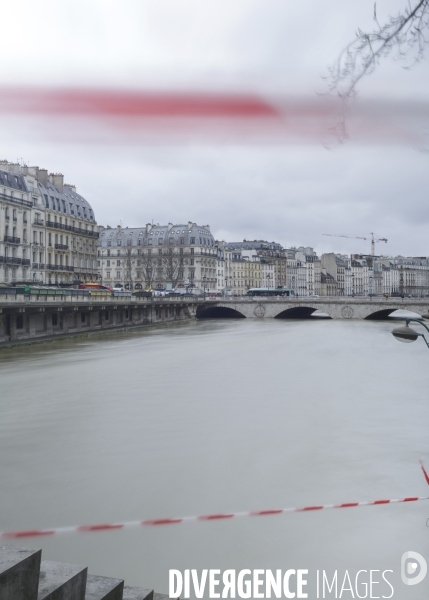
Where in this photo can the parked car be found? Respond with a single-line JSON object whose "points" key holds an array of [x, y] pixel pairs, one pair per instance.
{"points": [[119, 288]]}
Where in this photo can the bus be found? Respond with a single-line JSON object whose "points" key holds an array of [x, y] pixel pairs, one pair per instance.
{"points": [[280, 291]]}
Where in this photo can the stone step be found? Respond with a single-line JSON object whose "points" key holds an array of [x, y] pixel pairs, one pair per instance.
{"points": [[103, 588], [137, 593], [19, 573], [61, 581]]}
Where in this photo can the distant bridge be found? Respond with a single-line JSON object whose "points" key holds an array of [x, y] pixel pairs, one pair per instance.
{"points": [[288, 308]]}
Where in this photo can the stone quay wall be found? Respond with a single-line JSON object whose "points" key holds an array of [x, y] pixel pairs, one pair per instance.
{"points": [[38, 317]]}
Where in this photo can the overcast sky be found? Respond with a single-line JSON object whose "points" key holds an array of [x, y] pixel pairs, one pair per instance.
{"points": [[290, 193]]}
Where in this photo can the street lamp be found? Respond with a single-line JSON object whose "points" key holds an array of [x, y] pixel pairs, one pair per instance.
{"points": [[407, 334], [226, 285], [204, 284], [353, 285]]}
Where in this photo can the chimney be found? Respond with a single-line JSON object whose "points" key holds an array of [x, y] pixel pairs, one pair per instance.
{"points": [[57, 179], [170, 226], [190, 224], [42, 177], [71, 186], [148, 227], [208, 228], [118, 227]]}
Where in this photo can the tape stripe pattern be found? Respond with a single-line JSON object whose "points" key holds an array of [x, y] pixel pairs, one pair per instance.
{"points": [[213, 517]]}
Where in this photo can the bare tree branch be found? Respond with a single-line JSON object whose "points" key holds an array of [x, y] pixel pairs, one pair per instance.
{"points": [[405, 34]]}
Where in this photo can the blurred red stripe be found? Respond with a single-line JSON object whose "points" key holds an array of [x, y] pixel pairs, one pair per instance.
{"points": [[134, 104]]}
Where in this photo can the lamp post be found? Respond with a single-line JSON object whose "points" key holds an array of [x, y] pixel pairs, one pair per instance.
{"points": [[407, 334], [226, 285], [353, 285], [204, 284]]}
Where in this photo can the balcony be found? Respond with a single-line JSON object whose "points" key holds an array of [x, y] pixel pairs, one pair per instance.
{"points": [[59, 268], [16, 200], [61, 247], [26, 262], [37, 266], [12, 260], [9, 239], [38, 222], [78, 230]]}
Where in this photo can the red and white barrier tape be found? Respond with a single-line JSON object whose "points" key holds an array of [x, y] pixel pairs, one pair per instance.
{"points": [[214, 517]]}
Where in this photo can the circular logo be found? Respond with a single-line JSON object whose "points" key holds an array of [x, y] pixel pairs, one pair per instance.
{"points": [[347, 312], [259, 310]]}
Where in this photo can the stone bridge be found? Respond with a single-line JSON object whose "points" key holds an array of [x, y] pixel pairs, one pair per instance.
{"points": [[285, 308]]}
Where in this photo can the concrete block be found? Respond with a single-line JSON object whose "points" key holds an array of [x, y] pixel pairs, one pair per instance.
{"points": [[19, 573], [136, 593], [61, 581], [103, 588]]}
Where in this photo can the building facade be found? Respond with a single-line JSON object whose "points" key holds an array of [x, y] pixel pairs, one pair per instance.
{"points": [[159, 257], [49, 231]]}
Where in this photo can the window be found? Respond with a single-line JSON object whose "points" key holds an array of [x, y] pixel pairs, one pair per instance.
{"points": [[118, 274], [118, 263], [160, 242], [108, 274], [192, 240], [24, 217], [20, 321], [192, 250], [171, 241], [108, 263]]}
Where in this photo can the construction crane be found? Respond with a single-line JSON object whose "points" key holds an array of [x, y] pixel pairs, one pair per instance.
{"points": [[374, 239]]}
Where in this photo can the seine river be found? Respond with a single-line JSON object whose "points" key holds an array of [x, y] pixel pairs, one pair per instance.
{"points": [[220, 416]]}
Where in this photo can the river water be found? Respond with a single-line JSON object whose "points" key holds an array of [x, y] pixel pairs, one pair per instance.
{"points": [[220, 416]]}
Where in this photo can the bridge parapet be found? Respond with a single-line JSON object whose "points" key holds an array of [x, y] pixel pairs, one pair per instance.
{"points": [[336, 308]]}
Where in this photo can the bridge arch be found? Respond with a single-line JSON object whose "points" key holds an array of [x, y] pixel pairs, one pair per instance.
{"points": [[381, 313], [299, 312], [218, 312]]}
